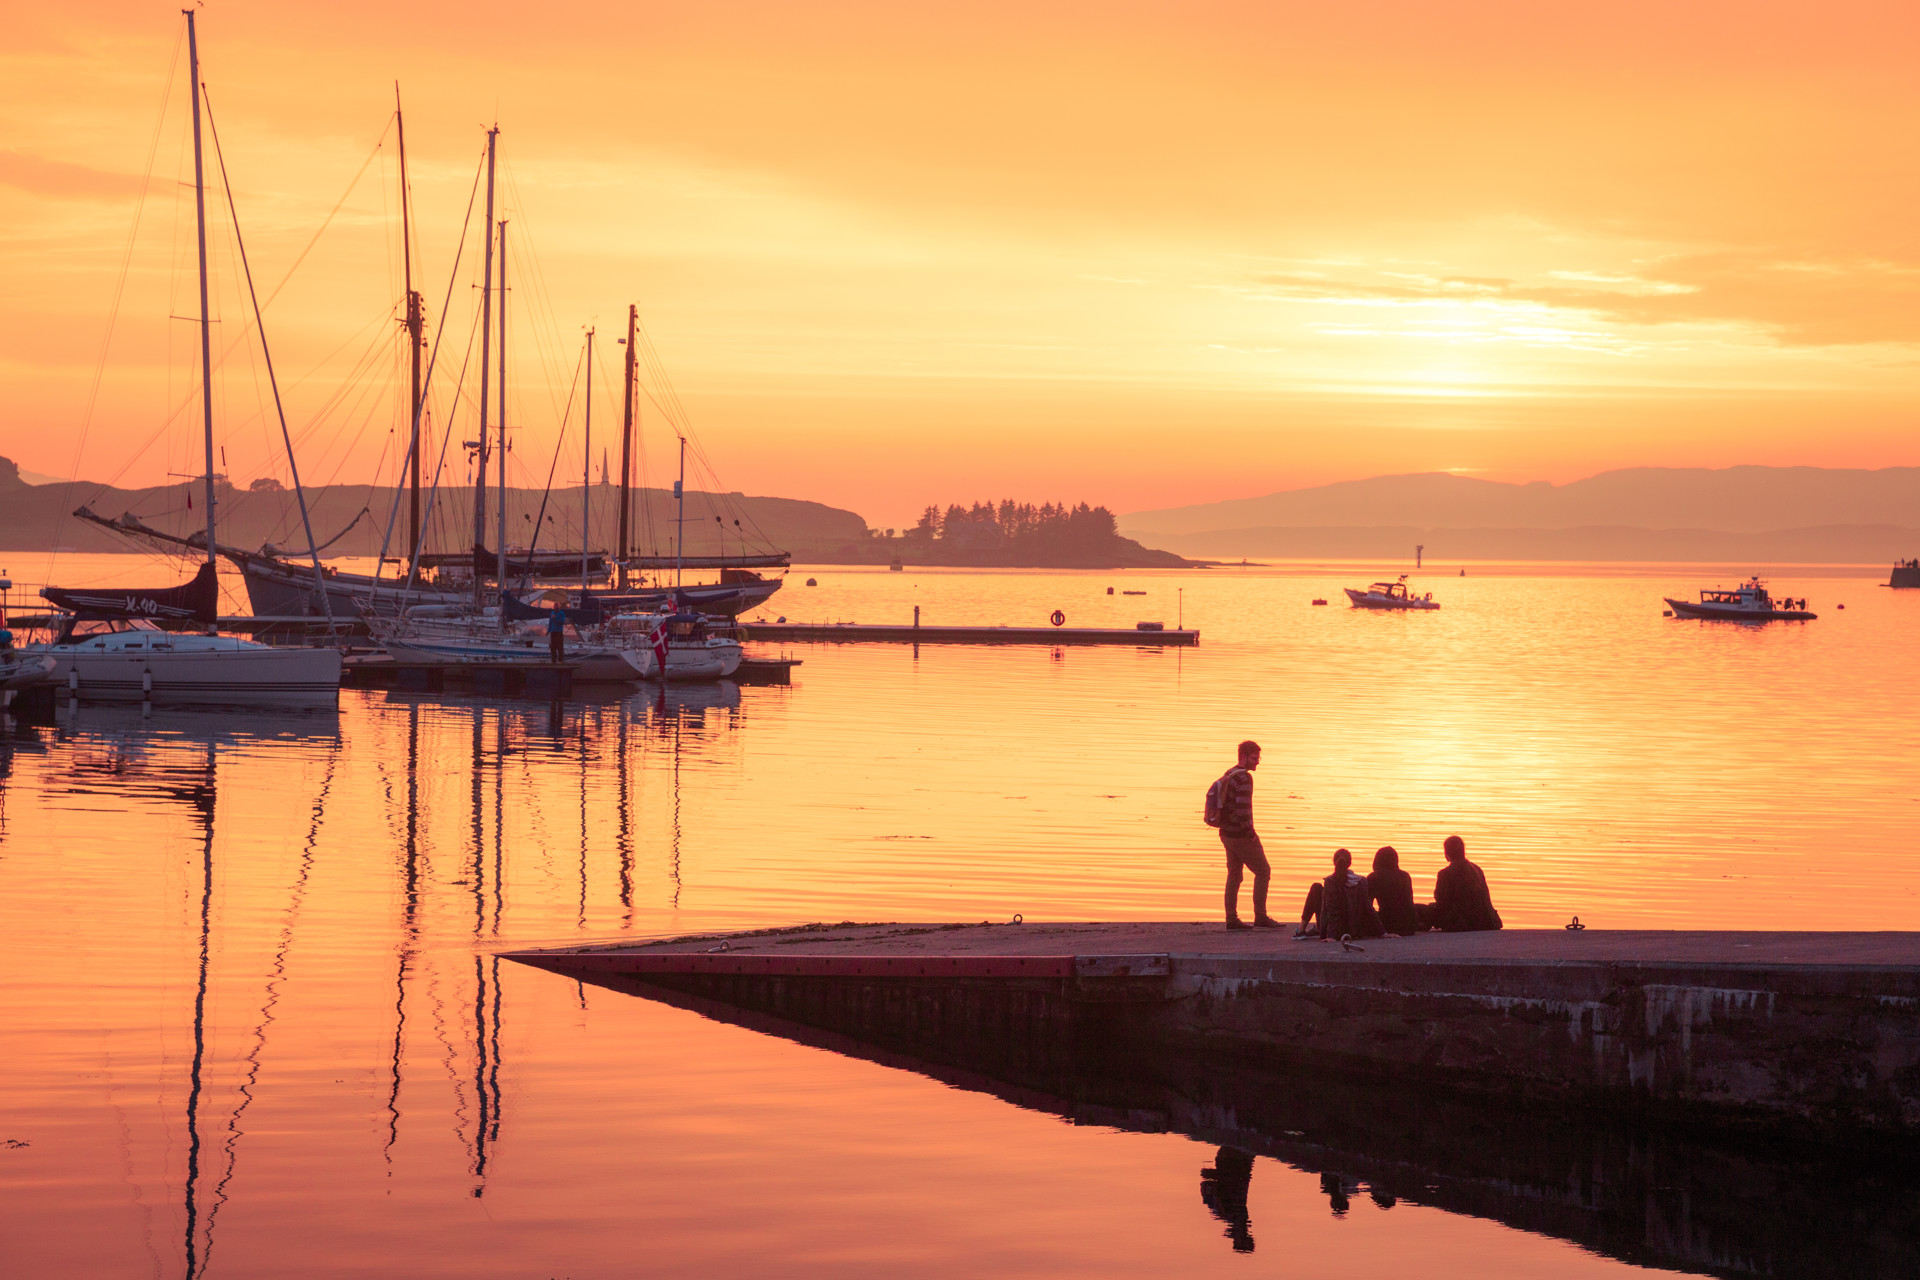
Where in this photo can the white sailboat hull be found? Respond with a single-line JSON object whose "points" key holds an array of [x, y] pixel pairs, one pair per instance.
{"points": [[253, 676]]}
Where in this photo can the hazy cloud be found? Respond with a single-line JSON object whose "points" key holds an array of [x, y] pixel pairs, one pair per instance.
{"points": [[61, 180], [1798, 301]]}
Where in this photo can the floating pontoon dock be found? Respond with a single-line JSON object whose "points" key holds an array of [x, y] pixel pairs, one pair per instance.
{"points": [[881, 633]]}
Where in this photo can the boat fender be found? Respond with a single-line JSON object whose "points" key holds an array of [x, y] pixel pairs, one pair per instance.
{"points": [[725, 946], [1017, 919], [1575, 926], [1666, 613], [1059, 619]]}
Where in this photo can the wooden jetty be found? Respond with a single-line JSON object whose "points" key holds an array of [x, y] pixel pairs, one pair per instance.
{"points": [[1813, 1033], [883, 633], [531, 679]]}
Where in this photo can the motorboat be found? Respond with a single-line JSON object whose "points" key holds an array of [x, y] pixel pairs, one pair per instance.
{"points": [[675, 646], [1748, 602], [132, 660], [19, 670], [478, 640], [1390, 595]]}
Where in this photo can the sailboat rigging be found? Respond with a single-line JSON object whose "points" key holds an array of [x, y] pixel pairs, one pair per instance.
{"points": [[129, 659]]}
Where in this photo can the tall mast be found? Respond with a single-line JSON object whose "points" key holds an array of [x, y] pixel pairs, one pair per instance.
{"points": [[680, 522], [500, 573], [206, 319], [415, 340], [586, 476], [486, 336], [626, 448]]}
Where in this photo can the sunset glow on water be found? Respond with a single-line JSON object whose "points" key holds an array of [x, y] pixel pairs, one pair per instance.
{"points": [[324, 896]]}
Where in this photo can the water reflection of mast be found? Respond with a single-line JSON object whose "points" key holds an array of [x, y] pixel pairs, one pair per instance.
{"points": [[410, 928], [230, 1149], [202, 798], [625, 838], [676, 795], [486, 969]]}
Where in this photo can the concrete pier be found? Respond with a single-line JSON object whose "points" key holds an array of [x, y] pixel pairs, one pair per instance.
{"points": [[1809, 1035]]}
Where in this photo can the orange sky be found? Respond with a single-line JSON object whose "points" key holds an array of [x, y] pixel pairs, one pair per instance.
{"points": [[1141, 254]]}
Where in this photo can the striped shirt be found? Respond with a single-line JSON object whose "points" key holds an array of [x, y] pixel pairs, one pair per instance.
{"points": [[1236, 814]]}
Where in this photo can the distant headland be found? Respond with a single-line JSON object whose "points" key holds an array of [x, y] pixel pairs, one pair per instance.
{"points": [[350, 520]]}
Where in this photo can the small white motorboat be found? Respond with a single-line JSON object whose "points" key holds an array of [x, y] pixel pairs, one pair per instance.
{"points": [[1390, 595], [685, 646], [20, 670], [1748, 602]]}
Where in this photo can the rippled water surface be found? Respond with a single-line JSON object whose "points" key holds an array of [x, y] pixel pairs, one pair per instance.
{"points": [[254, 1024]]}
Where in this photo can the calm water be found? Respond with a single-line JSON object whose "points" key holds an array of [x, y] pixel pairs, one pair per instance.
{"points": [[253, 1023]]}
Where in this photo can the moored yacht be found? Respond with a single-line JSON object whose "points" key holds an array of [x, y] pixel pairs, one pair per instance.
{"points": [[1389, 595], [132, 660], [1748, 602]]}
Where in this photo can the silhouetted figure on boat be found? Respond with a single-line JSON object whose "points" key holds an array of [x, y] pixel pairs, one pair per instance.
{"points": [[1391, 891], [1461, 902], [1224, 1189], [1340, 904], [1230, 808], [557, 634]]}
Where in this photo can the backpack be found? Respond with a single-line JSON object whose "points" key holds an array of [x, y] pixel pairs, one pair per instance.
{"points": [[1216, 807]]}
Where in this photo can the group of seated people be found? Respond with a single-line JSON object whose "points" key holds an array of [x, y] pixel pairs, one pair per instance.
{"points": [[1349, 905]]}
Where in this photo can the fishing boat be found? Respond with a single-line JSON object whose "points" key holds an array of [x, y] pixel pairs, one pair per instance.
{"points": [[1389, 595], [107, 643], [1748, 602]]}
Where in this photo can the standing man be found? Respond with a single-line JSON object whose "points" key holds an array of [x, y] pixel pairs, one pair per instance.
{"points": [[557, 634], [1244, 850]]}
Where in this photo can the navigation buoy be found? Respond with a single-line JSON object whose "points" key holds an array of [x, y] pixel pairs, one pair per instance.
{"points": [[812, 583], [1059, 618]]}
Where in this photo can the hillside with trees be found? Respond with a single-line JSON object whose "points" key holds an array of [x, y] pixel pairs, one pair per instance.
{"points": [[1013, 534]]}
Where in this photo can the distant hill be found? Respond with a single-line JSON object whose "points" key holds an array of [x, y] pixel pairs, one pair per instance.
{"points": [[1764, 514], [33, 518]]}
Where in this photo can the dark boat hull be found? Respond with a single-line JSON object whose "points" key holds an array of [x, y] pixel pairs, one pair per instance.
{"points": [[1724, 613]]}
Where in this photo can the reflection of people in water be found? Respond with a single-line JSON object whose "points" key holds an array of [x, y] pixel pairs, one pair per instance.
{"points": [[1338, 1191], [1224, 1189]]}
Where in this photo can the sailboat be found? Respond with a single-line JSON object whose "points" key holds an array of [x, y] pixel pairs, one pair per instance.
{"points": [[108, 644]]}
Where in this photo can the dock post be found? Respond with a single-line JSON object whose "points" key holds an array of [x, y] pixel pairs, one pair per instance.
{"points": [[916, 617]]}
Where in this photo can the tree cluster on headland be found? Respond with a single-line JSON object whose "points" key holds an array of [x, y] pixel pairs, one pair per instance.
{"points": [[1022, 534]]}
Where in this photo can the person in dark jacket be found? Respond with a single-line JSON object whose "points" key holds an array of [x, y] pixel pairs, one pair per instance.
{"points": [[1391, 890], [1242, 843], [556, 634], [1340, 903], [1461, 902]]}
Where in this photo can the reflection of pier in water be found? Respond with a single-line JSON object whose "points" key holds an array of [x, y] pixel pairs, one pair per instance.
{"points": [[1651, 1195]]}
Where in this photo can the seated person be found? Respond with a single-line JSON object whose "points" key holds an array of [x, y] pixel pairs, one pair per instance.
{"points": [[1461, 903], [1340, 903], [1391, 889]]}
